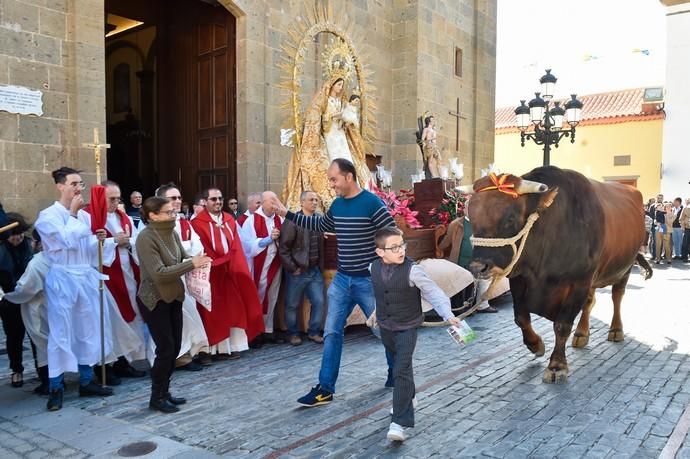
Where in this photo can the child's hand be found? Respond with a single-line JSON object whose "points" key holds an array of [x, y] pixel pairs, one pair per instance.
{"points": [[454, 321]]}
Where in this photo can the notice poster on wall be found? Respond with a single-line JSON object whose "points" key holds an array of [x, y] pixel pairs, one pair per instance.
{"points": [[21, 100]]}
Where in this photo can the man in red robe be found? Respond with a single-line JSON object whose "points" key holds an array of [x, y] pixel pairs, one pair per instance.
{"points": [[260, 234], [253, 203], [235, 317]]}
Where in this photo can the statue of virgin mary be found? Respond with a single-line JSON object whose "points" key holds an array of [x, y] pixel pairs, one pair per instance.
{"points": [[331, 130]]}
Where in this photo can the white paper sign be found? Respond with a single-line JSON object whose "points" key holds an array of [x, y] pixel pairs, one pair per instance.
{"points": [[199, 285], [18, 99]]}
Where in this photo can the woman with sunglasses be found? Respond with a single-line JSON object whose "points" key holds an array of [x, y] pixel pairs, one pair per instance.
{"points": [[161, 293]]}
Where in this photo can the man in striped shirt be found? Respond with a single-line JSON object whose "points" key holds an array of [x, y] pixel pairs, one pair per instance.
{"points": [[354, 217]]}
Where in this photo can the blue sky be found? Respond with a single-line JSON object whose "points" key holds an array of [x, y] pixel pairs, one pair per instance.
{"points": [[592, 46]]}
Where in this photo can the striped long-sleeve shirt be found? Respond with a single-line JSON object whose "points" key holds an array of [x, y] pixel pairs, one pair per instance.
{"points": [[355, 222]]}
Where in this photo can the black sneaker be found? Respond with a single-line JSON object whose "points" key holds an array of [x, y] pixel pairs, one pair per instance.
{"points": [[94, 389], [316, 397], [55, 400]]}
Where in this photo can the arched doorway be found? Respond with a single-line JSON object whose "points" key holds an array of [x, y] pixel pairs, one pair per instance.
{"points": [[170, 86]]}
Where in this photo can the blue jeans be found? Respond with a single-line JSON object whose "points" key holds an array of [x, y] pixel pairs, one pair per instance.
{"points": [[85, 377], [309, 283], [677, 241], [343, 294]]}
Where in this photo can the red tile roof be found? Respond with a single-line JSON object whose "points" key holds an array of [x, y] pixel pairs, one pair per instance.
{"points": [[605, 108]]}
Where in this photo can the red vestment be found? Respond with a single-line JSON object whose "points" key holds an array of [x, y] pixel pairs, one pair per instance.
{"points": [[234, 300], [242, 218], [261, 232]]}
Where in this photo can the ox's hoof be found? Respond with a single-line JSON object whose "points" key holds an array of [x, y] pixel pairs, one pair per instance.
{"points": [[537, 349], [555, 376], [580, 341], [616, 335]]}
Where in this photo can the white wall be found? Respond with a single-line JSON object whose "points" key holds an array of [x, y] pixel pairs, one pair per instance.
{"points": [[675, 172]]}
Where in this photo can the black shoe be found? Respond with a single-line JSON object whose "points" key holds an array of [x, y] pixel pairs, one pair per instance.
{"points": [[163, 405], [110, 378], [235, 355], [220, 357], [176, 400], [191, 366], [257, 343], [269, 338], [55, 400], [390, 382], [17, 379], [316, 397], [127, 371], [42, 389], [93, 389], [203, 358]]}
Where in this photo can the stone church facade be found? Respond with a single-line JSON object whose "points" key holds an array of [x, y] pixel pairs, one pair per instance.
{"points": [[424, 56]]}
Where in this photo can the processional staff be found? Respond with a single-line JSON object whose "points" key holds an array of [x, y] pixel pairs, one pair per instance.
{"points": [[98, 220]]}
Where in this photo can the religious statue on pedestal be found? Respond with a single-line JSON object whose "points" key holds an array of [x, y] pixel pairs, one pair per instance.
{"points": [[430, 151], [332, 125]]}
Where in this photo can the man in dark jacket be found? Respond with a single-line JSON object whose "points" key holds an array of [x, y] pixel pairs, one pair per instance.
{"points": [[301, 252], [15, 254]]}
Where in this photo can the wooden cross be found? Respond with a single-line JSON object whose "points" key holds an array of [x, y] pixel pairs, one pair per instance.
{"points": [[457, 116], [97, 153]]}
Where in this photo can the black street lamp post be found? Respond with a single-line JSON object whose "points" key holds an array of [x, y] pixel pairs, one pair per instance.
{"points": [[548, 122]]}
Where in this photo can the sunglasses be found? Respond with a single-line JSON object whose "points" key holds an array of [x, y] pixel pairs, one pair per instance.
{"points": [[215, 198], [175, 198]]}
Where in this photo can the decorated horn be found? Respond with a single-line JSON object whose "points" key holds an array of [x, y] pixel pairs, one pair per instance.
{"points": [[527, 186], [465, 189]]}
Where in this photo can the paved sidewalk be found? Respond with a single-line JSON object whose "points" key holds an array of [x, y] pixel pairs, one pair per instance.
{"points": [[487, 399]]}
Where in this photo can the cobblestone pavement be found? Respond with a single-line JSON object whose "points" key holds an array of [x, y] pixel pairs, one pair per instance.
{"points": [[487, 399]]}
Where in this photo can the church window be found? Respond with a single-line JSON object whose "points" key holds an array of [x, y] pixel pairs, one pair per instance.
{"points": [[458, 62]]}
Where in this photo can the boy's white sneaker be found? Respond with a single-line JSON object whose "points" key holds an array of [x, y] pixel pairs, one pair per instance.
{"points": [[414, 404], [396, 432]]}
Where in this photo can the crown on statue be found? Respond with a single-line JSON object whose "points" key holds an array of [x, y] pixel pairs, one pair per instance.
{"points": [[340, 69], [338, 61]]}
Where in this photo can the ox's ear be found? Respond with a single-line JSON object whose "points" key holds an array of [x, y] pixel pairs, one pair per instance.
{"points": [[546, 199]]}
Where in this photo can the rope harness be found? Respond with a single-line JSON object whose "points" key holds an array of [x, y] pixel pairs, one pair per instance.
{"points": [[496, 242], [499, 184]]}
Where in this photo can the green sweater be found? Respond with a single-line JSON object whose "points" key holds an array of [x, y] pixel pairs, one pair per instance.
{"points": [[161, 258]]}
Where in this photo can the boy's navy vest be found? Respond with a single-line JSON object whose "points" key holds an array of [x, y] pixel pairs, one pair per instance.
{"points": [[398, 306]]}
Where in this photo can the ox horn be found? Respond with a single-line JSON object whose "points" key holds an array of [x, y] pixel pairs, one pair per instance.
{"points": [[527, 186], [465, 189]]}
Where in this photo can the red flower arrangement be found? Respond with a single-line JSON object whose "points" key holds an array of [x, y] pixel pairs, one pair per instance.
{"points": [[400, 204], [452, 207]]}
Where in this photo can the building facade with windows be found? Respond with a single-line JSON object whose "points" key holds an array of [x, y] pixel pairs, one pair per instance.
{"points": [[619, 139], [190, 90]]}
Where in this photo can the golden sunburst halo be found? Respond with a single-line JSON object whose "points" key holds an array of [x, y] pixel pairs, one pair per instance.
{"points": [[340, 56]]}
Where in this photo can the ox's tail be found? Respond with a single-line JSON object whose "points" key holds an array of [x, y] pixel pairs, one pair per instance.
{"points": [[644, 264]]}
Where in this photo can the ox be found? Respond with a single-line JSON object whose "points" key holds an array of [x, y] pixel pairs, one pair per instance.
{"points": [[558, 236]]}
